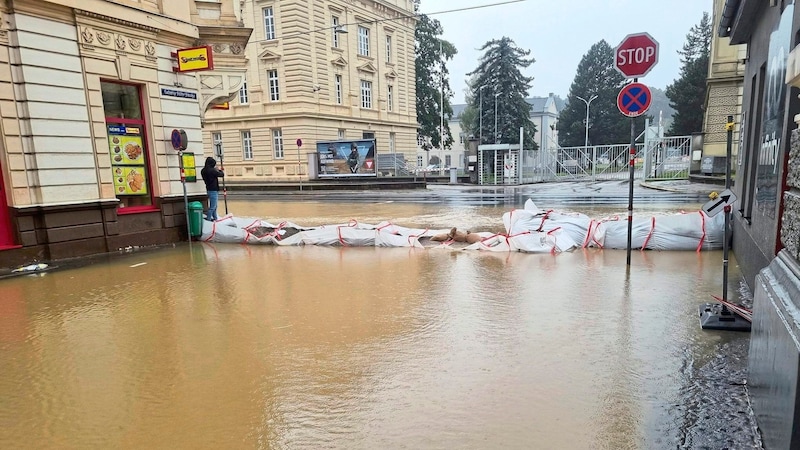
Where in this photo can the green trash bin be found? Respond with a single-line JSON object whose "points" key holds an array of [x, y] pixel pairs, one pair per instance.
{"points": [[195, 219]]}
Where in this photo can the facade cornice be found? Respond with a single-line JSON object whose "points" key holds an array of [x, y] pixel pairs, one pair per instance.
{"points": [[125, 23]]}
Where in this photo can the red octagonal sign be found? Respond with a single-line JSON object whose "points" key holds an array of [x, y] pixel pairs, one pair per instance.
{"points": [[636, 55]]}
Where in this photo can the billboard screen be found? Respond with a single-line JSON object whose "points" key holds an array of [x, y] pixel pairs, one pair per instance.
{"points": [[347, 158]]}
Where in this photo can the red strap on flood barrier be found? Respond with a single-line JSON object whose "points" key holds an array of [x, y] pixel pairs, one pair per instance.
{"points": [[650, 234], [555, 240], [703, 226]]}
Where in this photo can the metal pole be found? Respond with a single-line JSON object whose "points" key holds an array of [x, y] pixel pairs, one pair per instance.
{"points": [[480, 107], [185, 198], [632, 164], [441, 108], [224, 188], [299, 175], [495, 116], [728, 152]]}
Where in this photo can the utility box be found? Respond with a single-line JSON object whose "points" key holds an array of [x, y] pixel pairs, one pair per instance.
{"points": [[713, 165]]}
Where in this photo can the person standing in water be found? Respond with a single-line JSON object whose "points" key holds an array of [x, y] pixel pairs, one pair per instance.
{"points": [[211, 176]]}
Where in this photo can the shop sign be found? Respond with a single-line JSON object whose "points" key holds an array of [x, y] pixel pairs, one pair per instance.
{"points": [[225, 106], [194, 59], [180, 94]]}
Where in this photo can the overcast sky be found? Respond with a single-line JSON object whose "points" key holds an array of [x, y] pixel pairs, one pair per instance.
{"points": [[559, 32]]}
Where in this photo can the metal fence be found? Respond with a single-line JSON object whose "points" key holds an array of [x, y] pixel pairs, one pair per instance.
{"points": [[661, 158]]}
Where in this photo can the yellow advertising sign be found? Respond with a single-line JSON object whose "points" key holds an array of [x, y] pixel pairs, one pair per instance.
{"points": [[225, 105], [189, 169], [195, 58], [130, 180]]}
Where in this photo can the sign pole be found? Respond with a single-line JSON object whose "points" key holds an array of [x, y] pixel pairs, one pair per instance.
{"points": [[632, 164], [727, 210], [224, 188], [299, 175], [185, 197]]}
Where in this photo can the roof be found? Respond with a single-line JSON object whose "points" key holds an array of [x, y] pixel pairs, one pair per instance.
{"points": [[538, 105]]}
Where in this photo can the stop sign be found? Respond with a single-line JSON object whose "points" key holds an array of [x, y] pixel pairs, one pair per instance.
{"points": [[636, 55]]}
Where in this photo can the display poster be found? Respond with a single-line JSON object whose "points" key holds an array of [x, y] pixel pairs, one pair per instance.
{"points": [[189, 167], [772, 145], [347, 158], [127, 160], [129, 181]]}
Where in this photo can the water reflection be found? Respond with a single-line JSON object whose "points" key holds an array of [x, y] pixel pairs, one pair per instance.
{"points": [[311, 347]]}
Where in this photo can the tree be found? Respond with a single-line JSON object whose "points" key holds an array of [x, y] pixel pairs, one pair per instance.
{"points": [[687, 94], [499, 72], [432, 80], [469, 116], [596, 75]]}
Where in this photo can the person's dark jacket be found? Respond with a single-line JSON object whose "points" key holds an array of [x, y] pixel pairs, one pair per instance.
{"points": [[211, 174]]}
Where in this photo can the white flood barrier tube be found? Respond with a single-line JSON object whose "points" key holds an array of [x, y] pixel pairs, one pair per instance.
{"points": [[529, 230]]}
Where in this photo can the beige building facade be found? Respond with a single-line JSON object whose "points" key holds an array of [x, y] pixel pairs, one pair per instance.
{"points": [[88, 101], [725, 91], [325, 70]]}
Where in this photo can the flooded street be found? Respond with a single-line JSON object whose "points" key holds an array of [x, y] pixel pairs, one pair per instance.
{"points": [[231, 346]]}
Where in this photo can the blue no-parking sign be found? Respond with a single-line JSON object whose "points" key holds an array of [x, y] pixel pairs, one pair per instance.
{"points": [[634, 99]]}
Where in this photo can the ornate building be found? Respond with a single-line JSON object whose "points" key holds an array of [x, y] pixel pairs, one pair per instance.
{"points": [[318, 71], [88, 101], [724, 93]]}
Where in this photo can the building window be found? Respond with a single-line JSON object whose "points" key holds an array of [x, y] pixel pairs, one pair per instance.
{"points": [[367, 135], [420, 141], [366, 94], [244, 96], [277, 143], [274, 91], [247, 145], [461, 138], [363, 41], [341, 134], [338, 82], [390, 98], [447, 160], [335, 21], [392, 138], [127, 146], [389, 48], [269, 23], [419, 160], [216, 141]]}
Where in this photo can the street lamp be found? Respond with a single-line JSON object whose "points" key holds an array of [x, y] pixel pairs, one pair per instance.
{"points": [[495, 116], [586, 136], [480, 107]]}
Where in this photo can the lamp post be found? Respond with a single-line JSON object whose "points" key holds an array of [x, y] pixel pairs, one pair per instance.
{"points": [[586, 135], [496, 94], [480, 118]]}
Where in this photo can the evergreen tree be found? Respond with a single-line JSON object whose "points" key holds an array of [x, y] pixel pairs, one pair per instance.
{"points": [[432, 80], [499, 72], [596, 75], [469, 116], [687, 94]]}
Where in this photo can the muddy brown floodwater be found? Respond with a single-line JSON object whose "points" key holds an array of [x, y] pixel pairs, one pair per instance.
{"points": [[229, 346]]}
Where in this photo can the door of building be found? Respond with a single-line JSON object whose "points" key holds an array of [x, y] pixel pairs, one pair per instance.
{"points": [[6, 233]]}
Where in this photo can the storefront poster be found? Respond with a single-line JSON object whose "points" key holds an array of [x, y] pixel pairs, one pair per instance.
{"points": [[347, 158], [771, 149], [125, 145], [130, 180]]}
